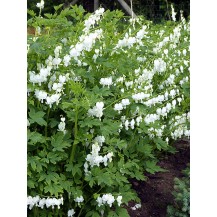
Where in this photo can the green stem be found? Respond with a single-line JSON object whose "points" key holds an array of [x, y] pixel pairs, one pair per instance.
{"points": [[39, 12], [117, 100], [67, 88], [131, 141], [72, 156], [168, 12], [35, 211], [48, 113], [87, 202], [38, 104]]}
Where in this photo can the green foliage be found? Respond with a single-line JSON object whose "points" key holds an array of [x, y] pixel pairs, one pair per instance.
{"points": [[181, 194], [37, 117], [157, 10], [79, 143]]}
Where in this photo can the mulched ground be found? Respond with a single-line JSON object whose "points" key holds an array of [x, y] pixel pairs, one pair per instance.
{"points": [[155, 193]]}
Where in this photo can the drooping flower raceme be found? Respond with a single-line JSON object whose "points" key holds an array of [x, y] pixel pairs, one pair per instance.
{"points": [[119, 200], [41, 202], [108, 199], [94, 159], [118, 107], [125, 102], [66, 60], [56, 61], [62, 125], [129, 41], [93, 19], [32, 201], [106, 81], [79, 199], [97, 110], [137, 206], [71, 212], [40, 95], [173, 13], [151, 118], [178, 126], [55, 98], [140, 96], [85, 43], [100, 140], [57, 51], [40, 5], [159, 65]]}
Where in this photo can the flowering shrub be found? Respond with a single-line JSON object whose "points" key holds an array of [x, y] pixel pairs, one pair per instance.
{"points": [[105, 96]]}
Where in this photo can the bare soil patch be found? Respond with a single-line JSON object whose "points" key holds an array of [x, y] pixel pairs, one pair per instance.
{"points": [[156, 192]]}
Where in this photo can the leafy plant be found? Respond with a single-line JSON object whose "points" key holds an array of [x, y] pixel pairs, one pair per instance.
{"points": [[181, 194], [104, 100]]}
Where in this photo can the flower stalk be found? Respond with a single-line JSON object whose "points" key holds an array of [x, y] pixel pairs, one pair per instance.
{"points": [[48, 113], [72, 156]]}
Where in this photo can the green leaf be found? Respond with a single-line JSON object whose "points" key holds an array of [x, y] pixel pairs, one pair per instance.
{"points": [[35, 137], [92, 214], [139, 175], [90, 122], [77, 88], [110, 127], [120, 179], [108, 64], [152, 168], [66, 105], [112, 214], [52, 177], [36, 163], [31, 13], [33, 165], [42, 177], [128, 196], [54, 157], [53, 189], [145, 148], [58, 143], [49, 16], [32, 162], [121, 212], [105, 178], [77, 170], [90, 180], [66, 185], [161, 144], [53, 122], [37, 117], [56, 8], [102, 91], [30, 183], [186, 89], [120, 144]]}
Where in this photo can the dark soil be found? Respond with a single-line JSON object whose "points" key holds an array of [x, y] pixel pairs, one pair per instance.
{"points": [[30, 31], [156, 192]]}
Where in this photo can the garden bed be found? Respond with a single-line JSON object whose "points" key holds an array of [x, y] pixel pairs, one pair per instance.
{"points": [[156, 192], [107, 96]]}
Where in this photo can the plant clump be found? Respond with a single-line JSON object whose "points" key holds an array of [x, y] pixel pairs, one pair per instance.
{"points": [[181, 194], [105, 99]]}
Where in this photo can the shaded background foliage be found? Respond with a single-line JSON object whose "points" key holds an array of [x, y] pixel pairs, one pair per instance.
{"points": [[155, 10]]}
